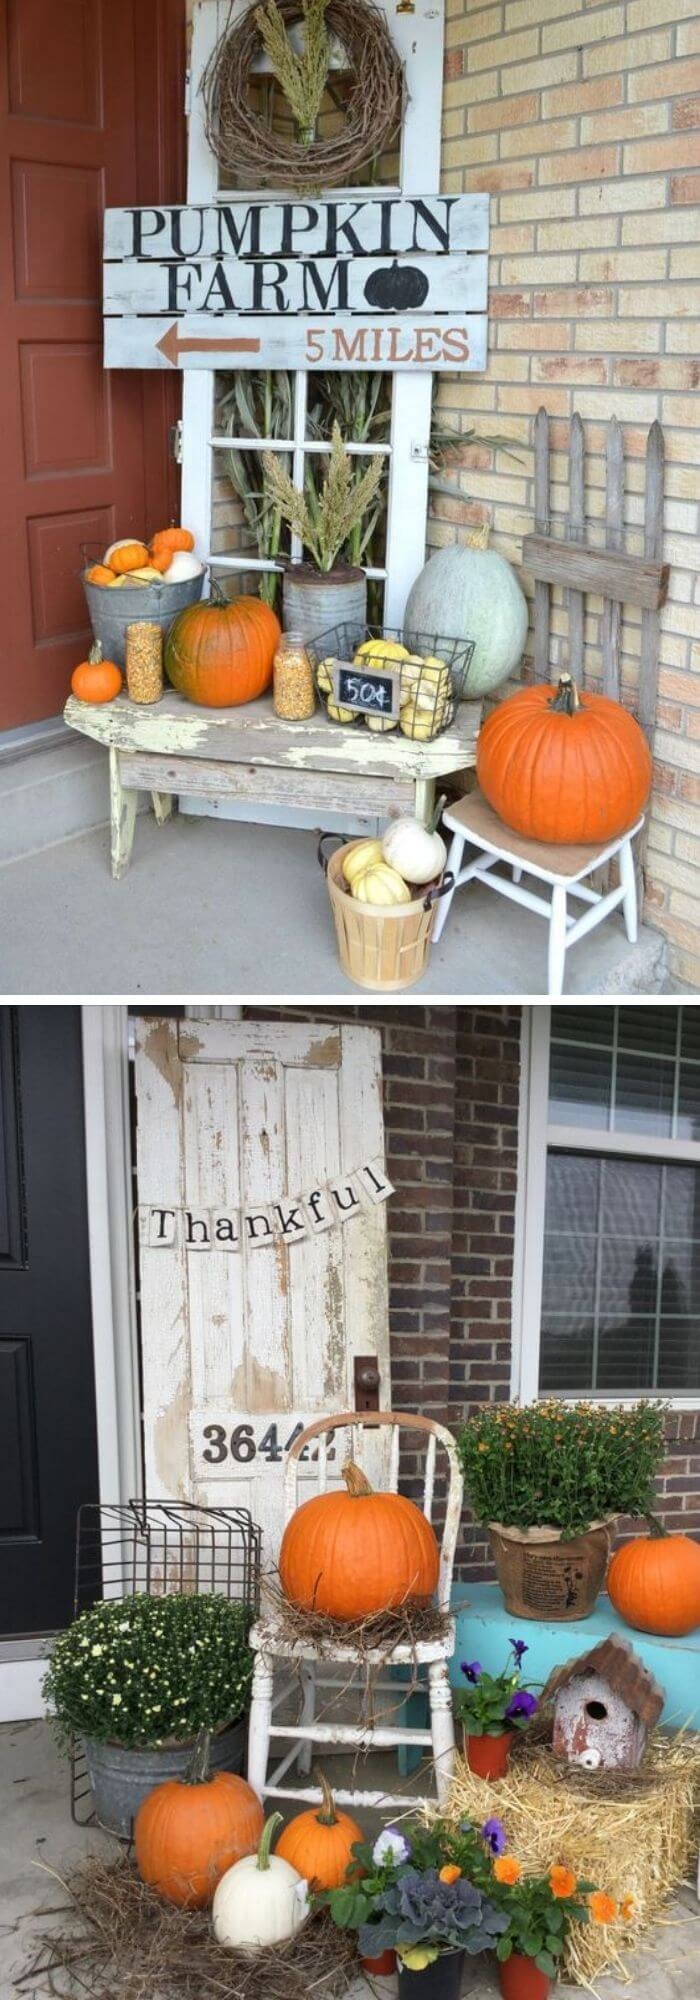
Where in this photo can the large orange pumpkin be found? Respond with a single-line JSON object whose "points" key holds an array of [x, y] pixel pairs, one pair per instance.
{"points": [[219, 654], [560, 766], [319, 1843], [350, 1554], [189, 1831], [654, 1583]]}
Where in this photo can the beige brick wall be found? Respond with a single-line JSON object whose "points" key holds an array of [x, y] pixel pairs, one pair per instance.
{"points": [[582, 120]]}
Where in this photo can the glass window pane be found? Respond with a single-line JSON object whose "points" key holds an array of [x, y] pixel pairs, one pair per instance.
{"points": [[580, 1085], [688, 1119], [643, 1095], [594, 1025], [690, 1033], [651, 1029], [566, 1354], [621, 1277]]}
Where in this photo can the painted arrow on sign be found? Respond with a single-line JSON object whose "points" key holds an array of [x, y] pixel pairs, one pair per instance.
{"points": [[172, 346]]}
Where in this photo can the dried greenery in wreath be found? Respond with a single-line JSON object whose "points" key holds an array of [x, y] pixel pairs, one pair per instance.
{"points": [[245, 143], [301, 77], [324, 516], [116, 1940]]}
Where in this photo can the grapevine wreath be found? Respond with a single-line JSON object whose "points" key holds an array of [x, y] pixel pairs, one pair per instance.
{"points": [[244, 144]]}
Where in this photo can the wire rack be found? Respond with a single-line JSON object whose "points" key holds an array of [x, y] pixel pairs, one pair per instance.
{"points": [[159, 1547], [432, 675]]}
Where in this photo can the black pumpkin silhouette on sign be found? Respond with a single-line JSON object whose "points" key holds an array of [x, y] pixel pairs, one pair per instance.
{"points": [[397, 288]]}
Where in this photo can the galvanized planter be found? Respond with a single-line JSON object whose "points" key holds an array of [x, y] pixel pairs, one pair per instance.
{"points": [[313, 600], [112, 610], [121, 1779]]}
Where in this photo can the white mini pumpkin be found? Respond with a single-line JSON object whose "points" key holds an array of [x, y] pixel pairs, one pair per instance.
{"points": [[413, 851], [182, 568], [261, 1900]]}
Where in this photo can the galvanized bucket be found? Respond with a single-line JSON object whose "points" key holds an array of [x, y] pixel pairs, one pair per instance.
{"points": [[313, 600], [112, 610], [121, 1779]]}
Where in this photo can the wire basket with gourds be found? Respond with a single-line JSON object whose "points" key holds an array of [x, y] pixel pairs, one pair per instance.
{"points": [[432, 676]]}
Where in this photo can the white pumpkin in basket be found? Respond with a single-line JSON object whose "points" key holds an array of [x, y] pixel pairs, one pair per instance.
{"points": [[415, 852], [182, 568]]}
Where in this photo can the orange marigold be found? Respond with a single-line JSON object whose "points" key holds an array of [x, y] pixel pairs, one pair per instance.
{"points": [[603, 1909], [506, 1868], [562, 1882], [450, 1873]]}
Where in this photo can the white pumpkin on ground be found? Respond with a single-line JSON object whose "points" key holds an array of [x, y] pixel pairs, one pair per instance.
{"points": [[261, 1900], [471, 593], [182, 568], [414, 851]]}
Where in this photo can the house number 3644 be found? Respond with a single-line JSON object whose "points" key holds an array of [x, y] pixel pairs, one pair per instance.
{"points": [[243, 1445]]}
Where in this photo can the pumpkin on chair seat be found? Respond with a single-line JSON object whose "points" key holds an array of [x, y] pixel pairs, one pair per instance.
{"points": [[562, 766], [351, 1554]]}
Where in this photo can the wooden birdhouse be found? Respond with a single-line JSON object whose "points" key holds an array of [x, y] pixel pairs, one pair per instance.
{"points": [[605, 1703]]}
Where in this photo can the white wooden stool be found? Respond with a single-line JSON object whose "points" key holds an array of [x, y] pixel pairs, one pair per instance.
{"points": [[474, 822], [272, 1649]]}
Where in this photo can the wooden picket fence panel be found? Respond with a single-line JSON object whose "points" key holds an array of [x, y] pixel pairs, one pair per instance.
{"points": [[617, 577]]}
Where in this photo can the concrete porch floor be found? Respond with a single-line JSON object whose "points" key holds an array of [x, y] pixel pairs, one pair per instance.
{"points": [[36, 1827], [224, 908]]}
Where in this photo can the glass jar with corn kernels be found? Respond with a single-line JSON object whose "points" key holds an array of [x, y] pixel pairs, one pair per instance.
{"points": [[293, 690]]}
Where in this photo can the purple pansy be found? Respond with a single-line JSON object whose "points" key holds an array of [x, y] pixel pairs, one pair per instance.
{"points": [[518, 1647], [522, 1703], [472, 1670], [494, 1832]]}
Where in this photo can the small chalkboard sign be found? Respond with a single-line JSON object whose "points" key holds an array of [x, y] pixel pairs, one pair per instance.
{"points": [[366, 690]]}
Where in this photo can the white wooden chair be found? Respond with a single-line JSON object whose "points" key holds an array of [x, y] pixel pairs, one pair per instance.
{"points": [[272, 1650], [563, 870]]}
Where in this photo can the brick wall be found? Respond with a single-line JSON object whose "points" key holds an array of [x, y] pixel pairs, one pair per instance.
{"points": [[451, 1098], [581, 120]]}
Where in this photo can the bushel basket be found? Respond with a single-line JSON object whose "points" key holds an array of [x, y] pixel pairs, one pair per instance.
{"points": [[385, 948]]}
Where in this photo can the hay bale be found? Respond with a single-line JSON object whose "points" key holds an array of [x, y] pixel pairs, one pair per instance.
{"points": [[630, 1832]]}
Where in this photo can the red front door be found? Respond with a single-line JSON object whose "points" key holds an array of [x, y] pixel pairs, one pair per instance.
{"points": [[92, 116]]}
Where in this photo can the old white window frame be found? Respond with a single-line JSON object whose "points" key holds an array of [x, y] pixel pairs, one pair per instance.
{"points": [[536, 1136], [407, 449]]}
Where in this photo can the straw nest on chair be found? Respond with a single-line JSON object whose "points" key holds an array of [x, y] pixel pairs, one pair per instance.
{"points": [[113, 1939], [630, 1832]]}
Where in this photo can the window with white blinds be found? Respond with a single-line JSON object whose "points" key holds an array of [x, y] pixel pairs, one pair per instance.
{"points": [[620, 1300]]}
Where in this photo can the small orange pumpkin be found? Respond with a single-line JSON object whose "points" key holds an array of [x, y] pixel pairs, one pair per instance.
{"points": [[319, 1843], [171, 539], [189, 1831], [560, 766], [96, 679], [160, 559], [100, 573], [352, 1553], [654, 1583], [129, 555]]}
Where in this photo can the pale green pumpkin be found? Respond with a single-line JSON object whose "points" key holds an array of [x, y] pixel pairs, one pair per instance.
{"points": [[471, 593]]}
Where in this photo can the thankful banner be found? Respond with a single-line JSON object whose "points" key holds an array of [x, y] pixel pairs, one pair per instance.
{"points": [[292, 1219]]}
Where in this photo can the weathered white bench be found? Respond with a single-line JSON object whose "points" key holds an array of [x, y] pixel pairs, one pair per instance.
{"points": [[247, 753]]}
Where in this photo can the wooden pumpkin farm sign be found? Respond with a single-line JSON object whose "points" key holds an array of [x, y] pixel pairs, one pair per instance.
{"points": [[387, 281]]}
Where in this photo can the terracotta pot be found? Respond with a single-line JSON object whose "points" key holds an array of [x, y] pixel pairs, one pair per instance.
{"points": [[489, 1756], [382, 1966], [542, 1576], [521, 1979]]}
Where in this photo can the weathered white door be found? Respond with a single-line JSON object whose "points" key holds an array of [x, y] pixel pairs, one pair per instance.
{"points": [[239, 1350]]}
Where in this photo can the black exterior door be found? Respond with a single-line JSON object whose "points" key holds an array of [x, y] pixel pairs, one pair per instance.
{"points": [[48, 1439]]}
